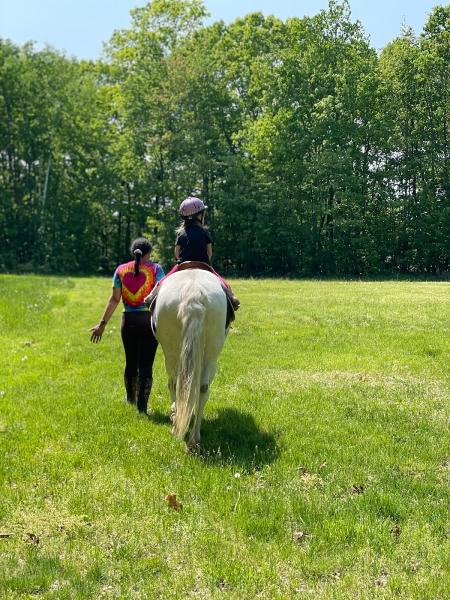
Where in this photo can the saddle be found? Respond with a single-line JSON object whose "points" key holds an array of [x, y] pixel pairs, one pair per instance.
{"points": [[184, 266], [194, 264]]}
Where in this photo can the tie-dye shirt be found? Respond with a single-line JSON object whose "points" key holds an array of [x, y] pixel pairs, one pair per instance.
{"points": [[135, 289]]}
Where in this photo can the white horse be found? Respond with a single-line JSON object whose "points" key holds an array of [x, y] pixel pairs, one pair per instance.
{"points": [[190, 317]]}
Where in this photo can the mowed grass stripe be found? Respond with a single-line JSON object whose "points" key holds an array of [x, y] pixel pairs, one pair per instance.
{"points": [[325, 466]]}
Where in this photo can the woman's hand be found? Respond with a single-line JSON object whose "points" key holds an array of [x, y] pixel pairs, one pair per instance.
{"points": [[97, 332]]}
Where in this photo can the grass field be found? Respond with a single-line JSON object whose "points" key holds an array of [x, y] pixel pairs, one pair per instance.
{"points": [[325, 463]]}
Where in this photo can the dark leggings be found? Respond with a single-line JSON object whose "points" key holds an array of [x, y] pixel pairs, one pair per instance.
{"points": [[139, 343]]}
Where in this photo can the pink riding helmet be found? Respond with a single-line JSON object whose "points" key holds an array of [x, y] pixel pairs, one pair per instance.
{"points": [[191, 206]]}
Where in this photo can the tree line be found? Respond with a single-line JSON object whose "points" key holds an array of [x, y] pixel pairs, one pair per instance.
{"points": [[315, 154]]}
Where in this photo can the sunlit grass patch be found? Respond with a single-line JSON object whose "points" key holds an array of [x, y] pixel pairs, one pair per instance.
{"points": [[324, 467], [291, 380]]}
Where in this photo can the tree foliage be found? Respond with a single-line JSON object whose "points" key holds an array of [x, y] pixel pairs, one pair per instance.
{"points": [[315, 154]]}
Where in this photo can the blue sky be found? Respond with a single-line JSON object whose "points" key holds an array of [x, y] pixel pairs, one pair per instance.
{"points": [[79, 27]]}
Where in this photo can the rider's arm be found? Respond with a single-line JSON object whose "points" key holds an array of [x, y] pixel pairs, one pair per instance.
{"points": [[177, 252], [209, 251]]}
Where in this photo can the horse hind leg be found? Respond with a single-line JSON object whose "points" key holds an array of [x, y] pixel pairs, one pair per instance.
{"points": [[172, 385], [194, 437], [207, 376]]}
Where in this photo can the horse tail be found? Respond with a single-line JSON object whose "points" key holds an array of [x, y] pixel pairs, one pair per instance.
{"points": [[191, 313]]}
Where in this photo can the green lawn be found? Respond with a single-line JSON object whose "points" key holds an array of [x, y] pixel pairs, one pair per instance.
{"points": [[325, 462]]}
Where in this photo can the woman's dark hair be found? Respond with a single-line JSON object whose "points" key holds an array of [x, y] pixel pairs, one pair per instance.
{"points": [[138, 249]]}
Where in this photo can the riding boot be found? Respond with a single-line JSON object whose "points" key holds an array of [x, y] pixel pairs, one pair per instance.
{"points": [[131, 383], [234, 301], [145, 387], [231, 297]]}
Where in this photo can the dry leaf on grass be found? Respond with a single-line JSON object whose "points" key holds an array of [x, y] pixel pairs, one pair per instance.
{"points": [[356, 489], [445, 465], [300, 536], [396, 531], [223, 585], [33, 538], [336, 575], [382, 579], [4, 535], [414, 566], [172, 501], [309, 479]]}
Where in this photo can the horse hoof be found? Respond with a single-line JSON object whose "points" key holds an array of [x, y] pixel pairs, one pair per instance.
{"points": [[193, 448], [173, 413]]}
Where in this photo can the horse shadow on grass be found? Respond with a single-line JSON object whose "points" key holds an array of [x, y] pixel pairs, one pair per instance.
{"points": [[233, 438], [159, 418]]}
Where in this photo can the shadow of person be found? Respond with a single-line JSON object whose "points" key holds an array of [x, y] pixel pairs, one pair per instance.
{"points": [[234, 438]]}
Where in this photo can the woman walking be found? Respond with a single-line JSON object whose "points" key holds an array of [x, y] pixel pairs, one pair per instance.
{"points": [[132, 282]]}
